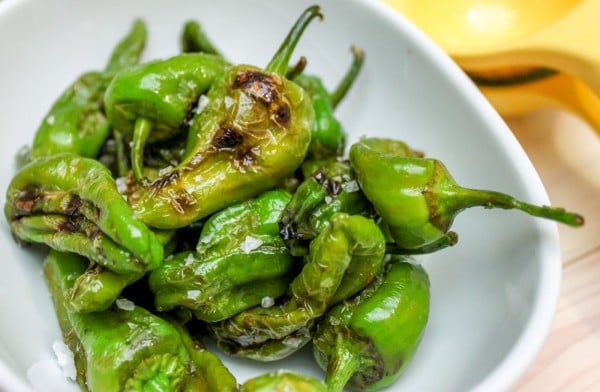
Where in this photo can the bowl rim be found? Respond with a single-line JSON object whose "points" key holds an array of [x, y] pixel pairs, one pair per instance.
{"points": [[536, 329]]}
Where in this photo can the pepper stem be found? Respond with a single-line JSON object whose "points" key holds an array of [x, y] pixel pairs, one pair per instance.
{"points": [[340, 92], [281, 59], [141, 132], [343, 363], [466, 198]]}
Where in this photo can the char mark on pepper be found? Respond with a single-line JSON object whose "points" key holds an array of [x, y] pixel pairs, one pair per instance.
{"points": [[226, 139], [27, 200]]}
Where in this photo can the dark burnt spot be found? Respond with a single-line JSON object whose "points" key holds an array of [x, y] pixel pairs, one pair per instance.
{"points": [[73, 206], [332, 187], [282, 114], [227, 139], [246, 158], [28, 199], [258, 85], [69, 225], [165, 180]]}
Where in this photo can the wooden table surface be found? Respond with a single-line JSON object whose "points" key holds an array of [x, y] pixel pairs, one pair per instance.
{"points": [[566, 154]]}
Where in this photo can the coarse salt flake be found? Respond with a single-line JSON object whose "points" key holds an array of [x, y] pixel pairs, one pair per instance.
{"points": [[250, 243], [267, 302], [189, 259], [121, 184], [125, 304], [350, 186], [65, 359], [202, 102]]}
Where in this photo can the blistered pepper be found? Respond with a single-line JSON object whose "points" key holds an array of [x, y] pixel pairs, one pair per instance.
{"points": [[240, 262], [127, 348], [418, 199], [71, 203], [343, 259], [76, 123], [330, 189], [283, 381], [253, 131], [366, 342], [153, 101]]}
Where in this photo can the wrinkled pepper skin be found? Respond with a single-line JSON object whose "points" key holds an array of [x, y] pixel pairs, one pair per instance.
{"points": [[253, 132], [76, 123], [283, 381], [240, 260], [152, 102], [116, 350], [418, 199], [330, 189], [367, 342], [343, 259], [72, 203]]}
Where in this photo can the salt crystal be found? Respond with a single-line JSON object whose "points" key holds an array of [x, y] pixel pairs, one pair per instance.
{"points": [[121, 184], [202, 102], [328, 199], [65, 359], [350, 186], [193, 294], [267, 302], [125, 304], [250, 243], [189, 259], [228, 102]]}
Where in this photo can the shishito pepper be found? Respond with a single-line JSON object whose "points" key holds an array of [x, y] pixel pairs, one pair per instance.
{"points": [[418, 199], [76, 123], [152, 102], [366, 342], [128, 348], [240, 261], [194, 39], [283, 381], [343, 259], [253, 132], [71, 203]]}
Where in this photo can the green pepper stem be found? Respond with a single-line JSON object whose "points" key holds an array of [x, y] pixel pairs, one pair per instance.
{"points": [[141, 132], [343, 363], [342, 89], [462, 198], [281, 59]]}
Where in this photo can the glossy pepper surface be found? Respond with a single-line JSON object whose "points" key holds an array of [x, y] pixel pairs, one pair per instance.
{"points": [[343, 259], [76, 122], [239, 262], [253, 132], [283, 381], [418, 199], [367, 341], [71, 203]]}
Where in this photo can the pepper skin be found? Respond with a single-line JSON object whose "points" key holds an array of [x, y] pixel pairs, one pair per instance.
{"points": [[151, 102], [253, 132], [418, 199], [76, 123], [116, 350], [72, 203], [343, 259], [367, 342], [283, 381], [240, 260], [194, 40]]}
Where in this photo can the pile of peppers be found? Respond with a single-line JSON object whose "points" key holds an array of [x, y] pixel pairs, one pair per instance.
{"points": [[193, 198]]}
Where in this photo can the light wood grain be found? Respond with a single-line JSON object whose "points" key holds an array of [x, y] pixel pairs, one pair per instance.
{"points": [[566, 154]]}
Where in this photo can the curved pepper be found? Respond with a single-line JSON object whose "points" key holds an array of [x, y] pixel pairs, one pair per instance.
{"points": [[418, 199], [239, 262], [328, 138], [153, 101], [253, 132], [343, 259], [367, 342], [76, 123], [194, 39], [330, 189], [283, 380], [72, 204]]}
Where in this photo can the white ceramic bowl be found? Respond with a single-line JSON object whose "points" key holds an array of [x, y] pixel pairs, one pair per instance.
{"points": [[493, 295]]}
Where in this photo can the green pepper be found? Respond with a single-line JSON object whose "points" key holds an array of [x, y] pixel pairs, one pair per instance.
{"points": [[253, 132], [418, 199], [368, 341], [152, 102], [240, 261], [72, 203], [332, 188], [194, 39], [343, 259], [127, 348], [283, 381], [328, 138], [76, 123]]}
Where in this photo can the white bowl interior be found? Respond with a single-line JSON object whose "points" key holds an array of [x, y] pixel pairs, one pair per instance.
{"points": [[493, 294]]}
